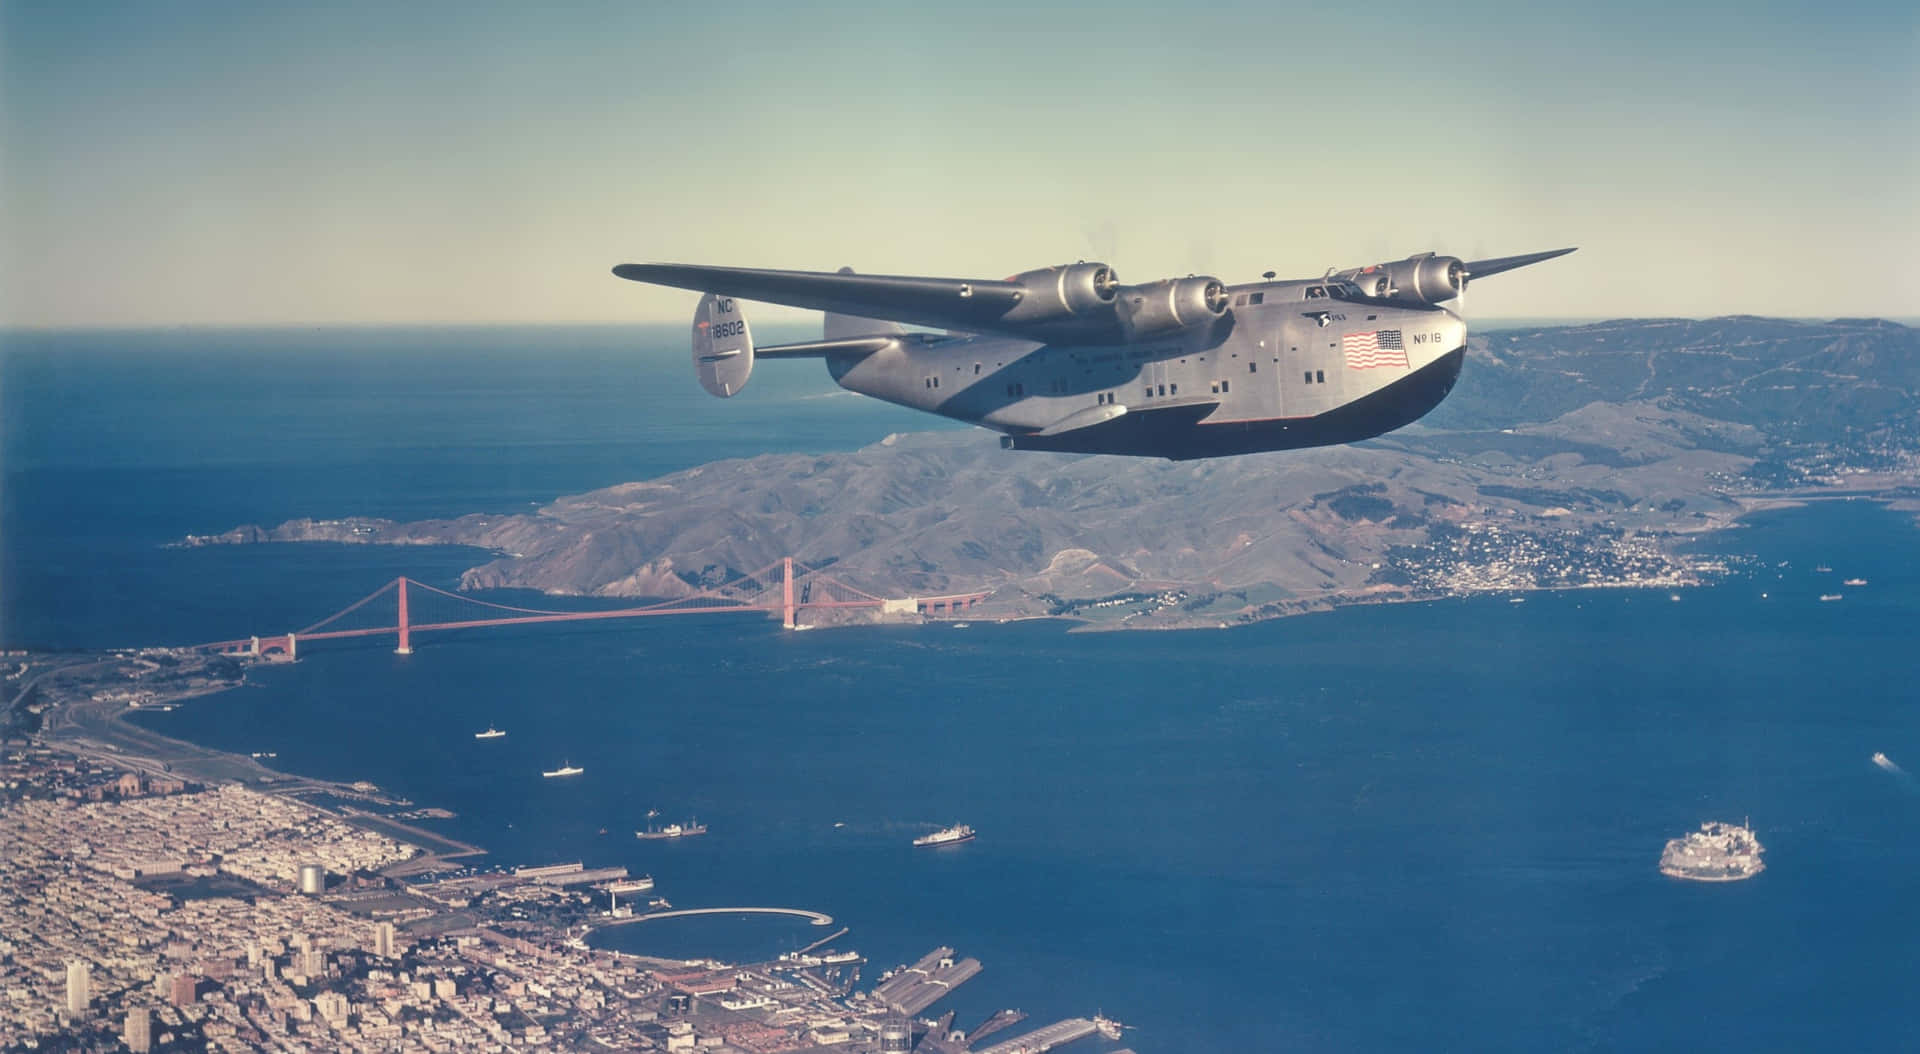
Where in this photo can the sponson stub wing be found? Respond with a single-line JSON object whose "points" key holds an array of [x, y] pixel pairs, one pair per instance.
{"points": [[1080, 303]]}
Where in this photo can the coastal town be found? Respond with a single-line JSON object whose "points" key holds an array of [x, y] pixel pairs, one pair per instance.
{"points": [[156, 896], [152, 913]]}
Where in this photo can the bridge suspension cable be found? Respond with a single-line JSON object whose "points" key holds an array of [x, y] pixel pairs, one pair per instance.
{"points": [[780, 588]]}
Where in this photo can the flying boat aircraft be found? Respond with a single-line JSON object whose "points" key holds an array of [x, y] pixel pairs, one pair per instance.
{"points": [[1067, 358]]}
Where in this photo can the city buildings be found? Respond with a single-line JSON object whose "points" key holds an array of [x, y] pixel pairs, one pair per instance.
{"points": [[79, 988]]}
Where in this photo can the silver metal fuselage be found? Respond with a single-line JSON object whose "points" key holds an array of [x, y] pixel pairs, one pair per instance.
{"points": [[1276, 374]]}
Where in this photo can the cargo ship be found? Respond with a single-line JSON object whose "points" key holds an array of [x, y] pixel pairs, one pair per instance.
{"points": [[564, 770], [954, 835], [490, 733], [672, 830]]}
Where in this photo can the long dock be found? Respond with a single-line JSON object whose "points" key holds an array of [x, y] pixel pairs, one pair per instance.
{"points": [[926, 982], [1054, 1035]]}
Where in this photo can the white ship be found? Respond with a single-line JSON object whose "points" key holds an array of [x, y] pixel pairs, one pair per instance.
{"points": [[1854, 582], [564, 770], [954, 835], [1829, 597], [490, 733], [672, 830]]}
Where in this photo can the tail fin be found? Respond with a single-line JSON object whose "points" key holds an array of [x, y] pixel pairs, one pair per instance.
{"points": [[722, 345], [840, 327]]}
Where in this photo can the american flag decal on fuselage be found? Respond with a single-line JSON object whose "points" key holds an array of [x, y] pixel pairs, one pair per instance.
{"points": [[1366, 351]]}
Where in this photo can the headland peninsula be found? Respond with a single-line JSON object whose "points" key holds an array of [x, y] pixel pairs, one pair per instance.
{"points": [[1568, 457]]}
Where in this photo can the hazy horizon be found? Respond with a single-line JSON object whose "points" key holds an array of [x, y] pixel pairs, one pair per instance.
{"points": [[361, 164]]}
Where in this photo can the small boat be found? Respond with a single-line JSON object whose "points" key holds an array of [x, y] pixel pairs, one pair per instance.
{"points": [[490, 733], [564, 770], [1831, 596], [1854, 582]]}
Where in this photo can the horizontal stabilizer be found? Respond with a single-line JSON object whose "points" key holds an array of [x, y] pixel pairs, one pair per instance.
{"points": [[839, 327], [1486, 268], [820, 349]]}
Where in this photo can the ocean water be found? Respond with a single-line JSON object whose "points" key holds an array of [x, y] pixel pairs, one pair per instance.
{"points": [[1420, 826]]}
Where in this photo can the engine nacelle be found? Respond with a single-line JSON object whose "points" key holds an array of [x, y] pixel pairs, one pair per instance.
{"points": [[1170, 305], [1062, 294], [1425, 279]]}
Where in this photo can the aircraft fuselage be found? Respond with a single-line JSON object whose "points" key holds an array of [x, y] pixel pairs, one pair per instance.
{"points": [[1291, 367]]}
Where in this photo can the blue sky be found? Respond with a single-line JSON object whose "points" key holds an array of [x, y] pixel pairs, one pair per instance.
{"points": [[237, 164]]}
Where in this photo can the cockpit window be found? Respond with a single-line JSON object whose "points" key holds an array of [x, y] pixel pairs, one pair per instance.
{"points": [[1257, 298], [1316, 292]]}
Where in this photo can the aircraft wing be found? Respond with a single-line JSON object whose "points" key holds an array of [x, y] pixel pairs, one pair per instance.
{"points": [[1485, 268], [943, 303]]}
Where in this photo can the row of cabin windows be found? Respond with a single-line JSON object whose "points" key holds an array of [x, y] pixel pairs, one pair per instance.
{"points": [[1245, 299], [933, 382], [1316, 377]]}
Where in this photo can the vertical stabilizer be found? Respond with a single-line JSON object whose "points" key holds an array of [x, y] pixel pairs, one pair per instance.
{"points": [[722, 345]]}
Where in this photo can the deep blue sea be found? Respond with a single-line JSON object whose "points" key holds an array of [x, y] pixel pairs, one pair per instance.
{"points": [[1423, 826]]}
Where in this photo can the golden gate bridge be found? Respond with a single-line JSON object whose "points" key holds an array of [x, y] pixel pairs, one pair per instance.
{"points": [[785, 588]]}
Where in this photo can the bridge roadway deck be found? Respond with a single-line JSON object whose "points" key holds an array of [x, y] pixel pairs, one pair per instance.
{"points": [[926, 603]]}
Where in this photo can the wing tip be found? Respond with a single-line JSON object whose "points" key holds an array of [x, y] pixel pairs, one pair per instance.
{"points": [[1502, 264]]}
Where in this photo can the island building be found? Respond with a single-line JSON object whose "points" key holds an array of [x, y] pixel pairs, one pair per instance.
{"points": [[79, 987], [1717, 852]]}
